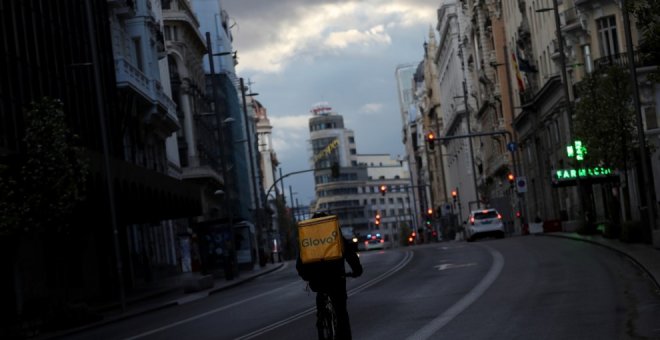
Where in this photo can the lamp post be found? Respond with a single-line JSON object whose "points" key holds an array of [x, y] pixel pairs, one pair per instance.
{"points": [[253, 174], [220, 125]]}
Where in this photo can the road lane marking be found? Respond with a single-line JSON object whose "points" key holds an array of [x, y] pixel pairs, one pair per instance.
{"points": [[407, 258], [213, 311], [436, 324], [445, 266]]}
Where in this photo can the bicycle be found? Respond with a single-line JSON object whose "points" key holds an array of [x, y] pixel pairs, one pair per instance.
{"points": [[326, 322], [327, 319]]}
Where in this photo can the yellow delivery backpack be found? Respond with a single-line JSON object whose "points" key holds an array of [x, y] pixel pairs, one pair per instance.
{"points": [[320, 239]]}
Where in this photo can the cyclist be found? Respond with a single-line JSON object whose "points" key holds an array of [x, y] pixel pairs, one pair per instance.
{"points": [[329, 277]]}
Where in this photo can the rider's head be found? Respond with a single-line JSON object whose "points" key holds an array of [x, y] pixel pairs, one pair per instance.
{"points": [[320, 214]]}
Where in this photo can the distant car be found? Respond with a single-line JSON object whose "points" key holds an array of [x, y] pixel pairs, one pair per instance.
{"points": [[483, 223], [374, 241]]}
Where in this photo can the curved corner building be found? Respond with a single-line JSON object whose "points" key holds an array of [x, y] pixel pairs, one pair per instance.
{"points": [[350, 190]]}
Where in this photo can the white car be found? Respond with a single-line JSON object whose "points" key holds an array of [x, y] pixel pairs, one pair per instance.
{"points": [[485, 222], [374, 241]]}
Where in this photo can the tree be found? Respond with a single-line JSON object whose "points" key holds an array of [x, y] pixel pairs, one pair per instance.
{"points": [[40, 192], [648, 25], [605, 119]]}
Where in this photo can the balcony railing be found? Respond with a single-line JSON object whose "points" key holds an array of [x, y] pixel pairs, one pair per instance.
{"points": [[128, 75], [620, 59]]}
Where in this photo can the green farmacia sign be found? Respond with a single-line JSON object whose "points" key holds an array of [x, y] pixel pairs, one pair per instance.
{"points": [[577, 150], [570, 174]]}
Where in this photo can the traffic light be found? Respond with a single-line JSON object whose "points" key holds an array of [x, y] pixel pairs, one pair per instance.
{"points": [[383, 189], [430, 140], [429, 215], [377, 220], [511, 178], [454, 194], [429, 212]]}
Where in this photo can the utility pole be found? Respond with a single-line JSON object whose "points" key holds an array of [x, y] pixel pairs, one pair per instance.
{"points": [[467, 116], [106, 156], [253, 175], [226, 201]]}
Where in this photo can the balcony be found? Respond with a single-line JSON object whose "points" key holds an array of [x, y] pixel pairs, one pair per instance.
{"points": [[620, 59], [570, 20], [129, 76], [123, 8]]}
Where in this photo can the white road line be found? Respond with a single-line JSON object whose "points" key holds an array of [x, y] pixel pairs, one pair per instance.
{"points": [[436, 324], [407, 258], [213, 311]]}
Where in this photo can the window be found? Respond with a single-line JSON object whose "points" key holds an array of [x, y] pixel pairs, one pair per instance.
{"points": [[609, 44], [138, 54]]}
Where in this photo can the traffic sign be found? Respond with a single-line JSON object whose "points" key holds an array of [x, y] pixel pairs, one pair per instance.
{"points": [[512, 146], [521, 184]]}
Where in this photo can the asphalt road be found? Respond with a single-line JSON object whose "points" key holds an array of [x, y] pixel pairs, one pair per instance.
{"points": [[515, 288]]}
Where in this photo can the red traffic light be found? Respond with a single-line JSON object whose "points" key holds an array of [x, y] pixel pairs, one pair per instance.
{"points": [[510, 177], [430, 139], [383, 189], [454, 193]]}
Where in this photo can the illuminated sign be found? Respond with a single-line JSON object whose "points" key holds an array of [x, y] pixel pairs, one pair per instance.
{"points": [[576, 150], [571, 174], [327, 150]]}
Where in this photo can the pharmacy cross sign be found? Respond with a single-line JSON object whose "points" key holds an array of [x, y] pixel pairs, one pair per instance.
{"points": [[576, 150]]}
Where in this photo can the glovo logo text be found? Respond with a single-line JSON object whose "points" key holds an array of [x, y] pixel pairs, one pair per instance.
{"points": [[315, 242]]}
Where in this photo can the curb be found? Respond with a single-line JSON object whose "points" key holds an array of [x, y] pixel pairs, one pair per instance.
{"points": [[655, 280]]}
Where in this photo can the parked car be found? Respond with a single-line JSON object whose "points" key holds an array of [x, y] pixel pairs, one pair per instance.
{"points": [[484, 223]]}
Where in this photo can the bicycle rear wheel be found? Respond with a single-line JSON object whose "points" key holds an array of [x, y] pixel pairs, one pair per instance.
{"points": [[327, 322]]}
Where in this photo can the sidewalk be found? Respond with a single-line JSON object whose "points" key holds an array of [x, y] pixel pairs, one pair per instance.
{"points": [[645, 255], [168, 293]]}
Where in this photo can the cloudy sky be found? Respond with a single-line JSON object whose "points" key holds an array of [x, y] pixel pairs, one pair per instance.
{"points": [[301, 52]]}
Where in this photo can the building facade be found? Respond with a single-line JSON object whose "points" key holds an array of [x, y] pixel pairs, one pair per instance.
{"points": [[347, 183], [102, 64]]}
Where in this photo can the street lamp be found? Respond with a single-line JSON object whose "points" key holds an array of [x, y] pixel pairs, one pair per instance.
{"points": [[253, 173], [220, 123]]}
